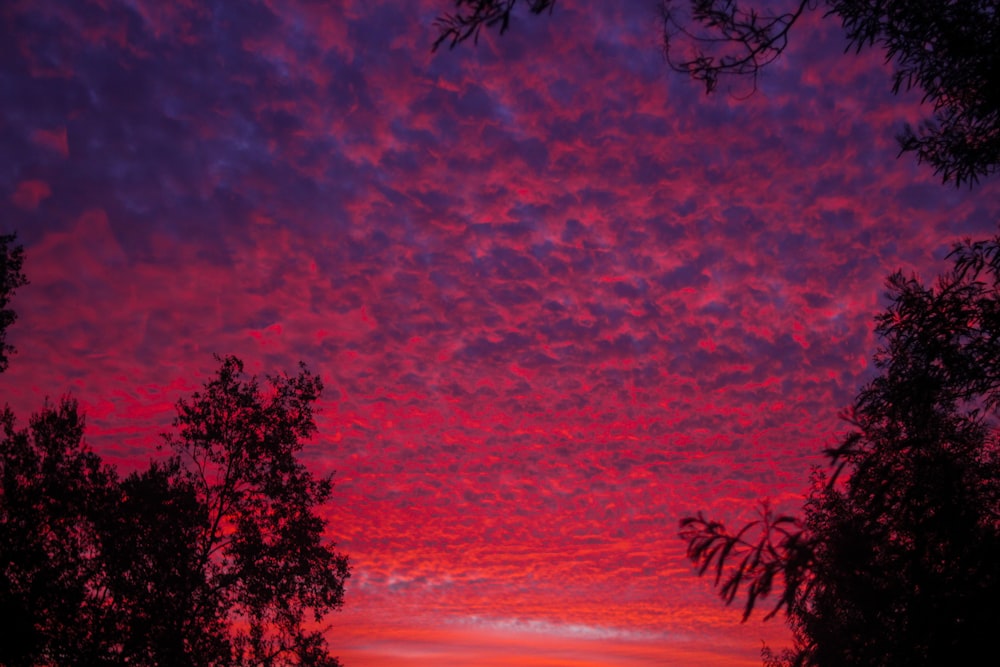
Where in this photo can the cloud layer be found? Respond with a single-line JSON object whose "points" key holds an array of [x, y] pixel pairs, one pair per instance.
{"points": [[558, 296]]}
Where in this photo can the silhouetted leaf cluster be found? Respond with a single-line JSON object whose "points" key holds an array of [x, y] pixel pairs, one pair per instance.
{"points": [[951, 52], [52, 489], [11, 277], [213, 556], [948, 50], [897, 558], [472, 15], [766, 552]]}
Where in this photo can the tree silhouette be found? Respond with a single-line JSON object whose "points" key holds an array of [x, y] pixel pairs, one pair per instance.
{"points": [[160, 607], [11, 277], [51, 487], [896, 560], [214, 556], [948, 50], [261, 552]]}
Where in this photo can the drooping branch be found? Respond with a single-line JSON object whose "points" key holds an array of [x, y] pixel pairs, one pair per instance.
{"points": [[732, 40], [472, 15], [768, 551]]}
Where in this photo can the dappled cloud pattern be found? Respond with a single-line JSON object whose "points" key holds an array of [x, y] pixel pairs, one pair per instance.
{"points": [[558, 297]]}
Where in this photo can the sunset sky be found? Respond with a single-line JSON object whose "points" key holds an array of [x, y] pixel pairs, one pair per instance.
{"points": [[559, 297]]}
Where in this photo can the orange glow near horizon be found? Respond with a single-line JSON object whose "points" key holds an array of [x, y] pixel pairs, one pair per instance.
{"points": [[528, 644]]}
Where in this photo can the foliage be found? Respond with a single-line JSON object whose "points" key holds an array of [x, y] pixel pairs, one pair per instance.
{"points": [[214, 556], [725, 39], [897, 558], [263, 553], [472, 15], [948, 50], [768, 549], [51, 486], [159, 606], [11, 277]]}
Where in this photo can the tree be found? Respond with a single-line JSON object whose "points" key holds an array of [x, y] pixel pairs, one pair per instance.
{"points": [[897, 557], [51, 486], [948, 50], [213, 556], [262, 552], [11, 277], [159, 607]]}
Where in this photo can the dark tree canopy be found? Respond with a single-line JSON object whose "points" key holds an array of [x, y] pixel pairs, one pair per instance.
{"points": [[897, 558], [162, 607], [948, 50], [214, 556], [51, 486], [11, 277], [262, 553]]}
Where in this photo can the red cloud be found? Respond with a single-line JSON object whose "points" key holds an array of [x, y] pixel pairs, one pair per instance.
{"points": [[29, 194]]}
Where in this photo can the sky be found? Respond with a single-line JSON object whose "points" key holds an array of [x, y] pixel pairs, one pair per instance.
{"points": [[559, 297]]}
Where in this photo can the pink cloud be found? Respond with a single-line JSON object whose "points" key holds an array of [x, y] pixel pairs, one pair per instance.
{"points": [[54, 140], [29, 194]]}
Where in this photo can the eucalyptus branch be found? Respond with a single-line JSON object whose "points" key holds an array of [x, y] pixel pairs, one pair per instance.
{"points": [[759, 38]]}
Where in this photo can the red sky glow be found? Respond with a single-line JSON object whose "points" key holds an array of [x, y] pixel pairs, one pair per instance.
{"points": [[559, 298]]}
